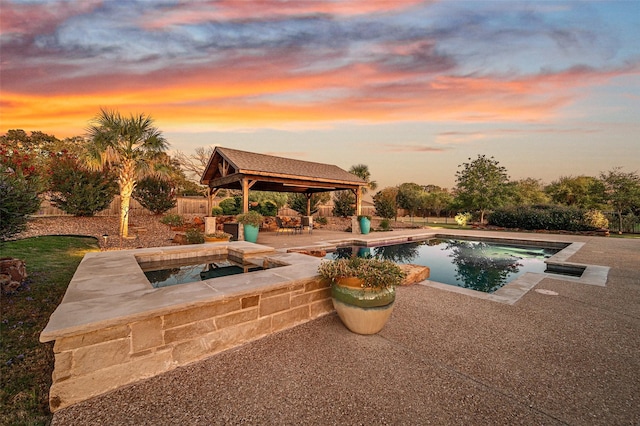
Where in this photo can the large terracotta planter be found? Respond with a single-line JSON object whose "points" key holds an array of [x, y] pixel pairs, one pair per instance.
{"points": [[362, 310]]}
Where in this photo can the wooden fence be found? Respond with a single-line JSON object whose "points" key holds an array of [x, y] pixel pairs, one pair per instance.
{"points": [[186, 206]]}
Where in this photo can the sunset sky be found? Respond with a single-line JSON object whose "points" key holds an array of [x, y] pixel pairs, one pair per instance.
{"points": [[410, 88]]}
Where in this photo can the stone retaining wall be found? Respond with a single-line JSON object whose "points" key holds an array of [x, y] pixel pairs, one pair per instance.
{"points": [[96, 362]]}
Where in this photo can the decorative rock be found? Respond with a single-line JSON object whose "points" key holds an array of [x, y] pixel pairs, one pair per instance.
{"points": [[13, 273], [414, 273]]}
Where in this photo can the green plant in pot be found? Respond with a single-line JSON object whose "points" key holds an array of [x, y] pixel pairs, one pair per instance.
{"points": [[362, 291], [251, 222], [365, 223]]}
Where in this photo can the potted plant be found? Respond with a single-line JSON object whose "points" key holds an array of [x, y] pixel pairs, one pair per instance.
{"points": [[251, 222], [362, 291], [194, 236], [365, 223], [216, 237]]}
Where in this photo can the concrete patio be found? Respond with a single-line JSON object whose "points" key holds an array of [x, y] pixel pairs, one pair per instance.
{"points": [[570, 355]]}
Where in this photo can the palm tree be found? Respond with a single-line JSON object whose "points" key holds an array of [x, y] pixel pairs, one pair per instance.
{"points": [[362, 171], [130, 146]]}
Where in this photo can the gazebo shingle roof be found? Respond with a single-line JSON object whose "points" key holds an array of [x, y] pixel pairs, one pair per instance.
{"points": [[254, 164]]}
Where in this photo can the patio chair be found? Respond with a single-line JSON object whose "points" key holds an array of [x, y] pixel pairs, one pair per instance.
{"points": [[287, 226]]}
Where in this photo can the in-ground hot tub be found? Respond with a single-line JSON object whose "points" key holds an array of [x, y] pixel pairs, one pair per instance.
{"points": [[113, 328]]}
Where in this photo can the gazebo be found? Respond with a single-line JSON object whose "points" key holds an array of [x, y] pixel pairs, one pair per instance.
{"points": [[242, 170]]}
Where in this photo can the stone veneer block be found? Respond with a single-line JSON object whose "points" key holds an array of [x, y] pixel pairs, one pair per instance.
{"points": [[63, 363], [236, 318], [290, 318], [309, 297], [79, 388], [202, 312], [320, 308], [250, 301], [239, 334], [146, 334], [91, 338], [189, 331], [102, 355], [316, 285], [274, 304]]}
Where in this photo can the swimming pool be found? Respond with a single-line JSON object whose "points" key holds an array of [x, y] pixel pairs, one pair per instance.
{"points": [[477, 265]]}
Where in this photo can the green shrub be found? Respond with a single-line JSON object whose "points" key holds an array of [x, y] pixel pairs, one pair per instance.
{"points": [[78, 191], [19, 199], [231, 206], [267, 208], [320, 220], [172, 220], [217, 211], [156, 195], [385, 225], [194, 236], [547, 217]]}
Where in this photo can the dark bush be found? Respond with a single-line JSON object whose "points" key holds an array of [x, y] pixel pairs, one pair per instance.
{"points": [[156, 195], [231, 206], [78, 191], [552, 218], [19, 199]]}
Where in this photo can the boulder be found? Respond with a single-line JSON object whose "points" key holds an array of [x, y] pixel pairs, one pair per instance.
{"points": [[414, 273], [13, 272]]}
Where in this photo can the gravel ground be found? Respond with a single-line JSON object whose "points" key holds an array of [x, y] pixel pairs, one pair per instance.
{"points": [[145, 231]]}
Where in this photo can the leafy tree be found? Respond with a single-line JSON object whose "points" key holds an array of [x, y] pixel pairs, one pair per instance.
{"points": [[362, 171], [278, 198], [622, 191], [155, 194], [581, 191], [344, 204], [527, 192], [19, 197], [231, 206], [385, 202], [481, 185], [410, 197], [437, 200], [131, 147], [77, 190], [298, 202]]}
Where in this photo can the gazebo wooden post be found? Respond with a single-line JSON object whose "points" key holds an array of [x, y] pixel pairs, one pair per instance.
{"points": [[358, 201], [245, 195], [308, 195]]}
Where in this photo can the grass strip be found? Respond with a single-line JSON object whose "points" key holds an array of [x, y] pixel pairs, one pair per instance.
{"points": [[26, 364]]}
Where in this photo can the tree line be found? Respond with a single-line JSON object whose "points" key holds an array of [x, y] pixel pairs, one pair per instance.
{"points": [[483, 186], [126, 155]]}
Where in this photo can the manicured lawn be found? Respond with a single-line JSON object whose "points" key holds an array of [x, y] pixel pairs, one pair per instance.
{"points": [[26, 364]]}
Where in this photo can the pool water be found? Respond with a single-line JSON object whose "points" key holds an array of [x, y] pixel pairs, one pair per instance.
{"points": [[168, 273], [477, 265]]}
